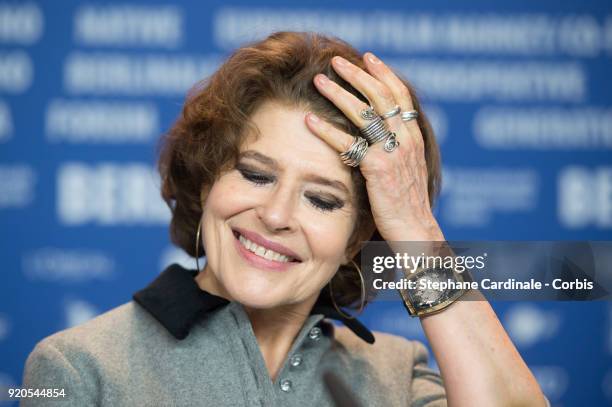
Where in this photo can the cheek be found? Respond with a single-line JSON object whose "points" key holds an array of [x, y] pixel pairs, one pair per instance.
{"points": [[329, 237], [219, 205], [223, 199]]}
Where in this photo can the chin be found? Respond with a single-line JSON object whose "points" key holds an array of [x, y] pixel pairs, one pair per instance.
{"points": [[257, 300], [257, 294]]}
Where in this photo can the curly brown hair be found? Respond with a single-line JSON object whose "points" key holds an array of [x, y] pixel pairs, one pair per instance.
{"points": [[205, 140]]}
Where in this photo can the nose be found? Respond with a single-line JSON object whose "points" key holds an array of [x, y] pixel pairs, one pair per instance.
{"points": [[277, 210]]}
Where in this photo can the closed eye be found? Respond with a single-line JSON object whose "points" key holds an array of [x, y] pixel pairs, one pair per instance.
{"points": [[325, 205], [259, 179], [255, 177]]}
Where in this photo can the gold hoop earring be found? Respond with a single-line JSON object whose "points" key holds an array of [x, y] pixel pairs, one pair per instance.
{"points": [[197, 245], [363, 295]]}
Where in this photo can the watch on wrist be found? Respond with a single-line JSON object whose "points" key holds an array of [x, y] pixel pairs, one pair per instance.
{"points": [[422, 301]]}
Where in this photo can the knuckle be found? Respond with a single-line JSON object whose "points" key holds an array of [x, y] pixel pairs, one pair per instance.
{"points": [[412, 155], [347, 142], [404, 153], [405, 92], [379, 165], [418, 144], [385, 93]]}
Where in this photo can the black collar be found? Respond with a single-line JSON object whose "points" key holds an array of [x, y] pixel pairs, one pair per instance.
{"points": [[177, 302]]}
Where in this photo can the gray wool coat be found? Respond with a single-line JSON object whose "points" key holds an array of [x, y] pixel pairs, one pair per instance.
{"points": [[175, 345]]}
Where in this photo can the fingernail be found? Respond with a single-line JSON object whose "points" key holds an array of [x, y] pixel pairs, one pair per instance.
{"points": [[341, 61], [372, 58], [322, 79], [313, 117]]}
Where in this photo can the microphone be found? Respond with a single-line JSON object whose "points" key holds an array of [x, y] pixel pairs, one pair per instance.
{"points": [[340, 393]]}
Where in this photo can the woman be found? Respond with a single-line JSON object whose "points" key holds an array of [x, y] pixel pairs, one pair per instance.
{"points": [[255, 172]]}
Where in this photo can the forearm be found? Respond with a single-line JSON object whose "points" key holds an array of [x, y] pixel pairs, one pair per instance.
{"points": [[477, 360]]}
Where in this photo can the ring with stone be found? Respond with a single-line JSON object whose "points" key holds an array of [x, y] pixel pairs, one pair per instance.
{"points": [[391, 143], [368, 113]]}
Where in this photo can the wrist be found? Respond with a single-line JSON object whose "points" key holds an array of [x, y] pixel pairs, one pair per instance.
{"points": [[425, 231], [433, 289]]}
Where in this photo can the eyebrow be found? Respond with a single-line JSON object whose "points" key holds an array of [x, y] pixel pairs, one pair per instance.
{"points": [[264, 159]]}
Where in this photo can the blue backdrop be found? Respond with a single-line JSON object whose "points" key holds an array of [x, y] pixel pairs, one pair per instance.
{"points": [[518, 92]]}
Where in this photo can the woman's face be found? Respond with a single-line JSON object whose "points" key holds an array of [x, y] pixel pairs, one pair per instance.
{"points": [[291, 196]]}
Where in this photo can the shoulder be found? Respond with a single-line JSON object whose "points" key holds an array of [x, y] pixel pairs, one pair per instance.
{"points": [[385, 347], [120, 325], [103, 350], [110, 339], [399, 363]]}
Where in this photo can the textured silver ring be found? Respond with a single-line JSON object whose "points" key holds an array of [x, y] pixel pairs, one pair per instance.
{"points": [[410, 115], [393, 112], [375, 131], [355, 152]]}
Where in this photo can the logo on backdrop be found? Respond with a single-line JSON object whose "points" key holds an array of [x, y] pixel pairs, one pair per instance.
{"points": [[109, 194], [585, 197]]}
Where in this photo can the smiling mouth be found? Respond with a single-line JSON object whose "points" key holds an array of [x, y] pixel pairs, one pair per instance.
{"points": [[263, 252]]}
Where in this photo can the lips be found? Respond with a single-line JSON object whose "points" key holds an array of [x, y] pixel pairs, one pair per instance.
{"points": [[268, 244]]}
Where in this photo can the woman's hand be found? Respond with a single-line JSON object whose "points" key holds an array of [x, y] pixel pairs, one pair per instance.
{"points": [[396, 181], [488, 370]]}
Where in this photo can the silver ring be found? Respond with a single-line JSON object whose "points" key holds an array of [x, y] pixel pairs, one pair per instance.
{"points": [[410, 115], [395, 111], [391, 143], [355, 153], [375, 131], [368, 113]]}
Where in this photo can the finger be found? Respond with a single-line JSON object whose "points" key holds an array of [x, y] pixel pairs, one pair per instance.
{"points": [[337, 139], [350, 105], [376, 91], [379, 70], [375, 160], [401, 94]]}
